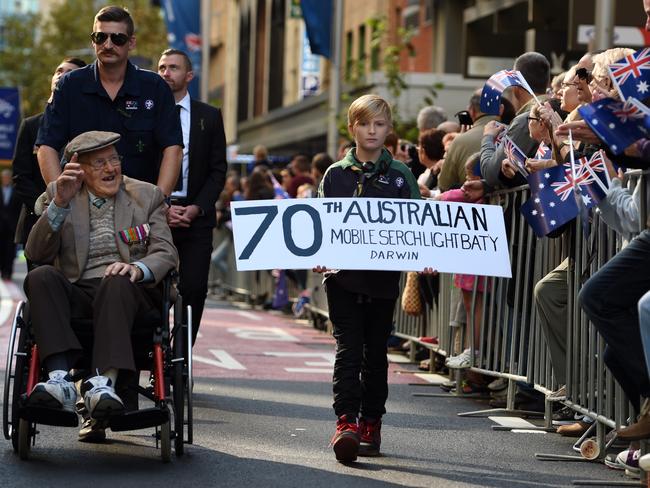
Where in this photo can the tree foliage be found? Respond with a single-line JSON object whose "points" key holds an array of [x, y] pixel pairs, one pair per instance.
{"points": [[35, 45]]}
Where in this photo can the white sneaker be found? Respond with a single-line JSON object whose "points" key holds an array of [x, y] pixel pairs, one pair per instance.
{"points": [[461, 361], [101, 400], [57, 392]]}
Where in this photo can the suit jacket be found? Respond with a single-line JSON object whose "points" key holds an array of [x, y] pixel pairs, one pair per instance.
{"points": [[136, 203], [207, 161], [29, 184], [9, 215]]}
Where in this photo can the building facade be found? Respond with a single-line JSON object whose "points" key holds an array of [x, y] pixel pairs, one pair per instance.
{"points": [[274, 92]]}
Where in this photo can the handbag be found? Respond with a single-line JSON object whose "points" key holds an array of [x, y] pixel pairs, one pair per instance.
{"points": [[411, 300]]}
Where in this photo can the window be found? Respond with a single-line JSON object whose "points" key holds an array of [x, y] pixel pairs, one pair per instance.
{"points": [[428, 11], [374, 52], [411, 15], [361, 49], [348, 55]]}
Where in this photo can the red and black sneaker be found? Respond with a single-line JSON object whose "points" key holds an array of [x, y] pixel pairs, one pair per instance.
{"points": [[346, 439], [370, 436]]}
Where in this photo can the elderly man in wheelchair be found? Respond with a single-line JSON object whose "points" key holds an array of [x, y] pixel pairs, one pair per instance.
{"points": [[103, 246]]}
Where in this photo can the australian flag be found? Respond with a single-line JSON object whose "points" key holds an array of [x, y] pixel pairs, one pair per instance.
{"points": [[492, 90], [515, 155], [553, 201], [543, 151], [618, 124], [631, 74]]}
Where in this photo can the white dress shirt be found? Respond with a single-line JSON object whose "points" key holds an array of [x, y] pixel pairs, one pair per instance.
{"points": [[185, 126]]}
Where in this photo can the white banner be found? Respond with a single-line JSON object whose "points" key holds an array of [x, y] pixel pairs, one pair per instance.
{"points": [[370, 233]]}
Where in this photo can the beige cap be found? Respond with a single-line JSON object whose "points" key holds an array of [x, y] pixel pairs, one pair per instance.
{"points": [[90, 141]]}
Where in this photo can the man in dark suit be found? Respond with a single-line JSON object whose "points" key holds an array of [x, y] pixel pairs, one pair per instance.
{"points": [[9, 210], [29, 184], [192, 215]]}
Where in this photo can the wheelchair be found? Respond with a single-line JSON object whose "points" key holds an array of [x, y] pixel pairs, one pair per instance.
{"points": [[168, 357]]}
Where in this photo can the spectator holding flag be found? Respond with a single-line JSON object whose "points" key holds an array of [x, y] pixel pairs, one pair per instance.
{"points": [[536, 71], [452, 174]]}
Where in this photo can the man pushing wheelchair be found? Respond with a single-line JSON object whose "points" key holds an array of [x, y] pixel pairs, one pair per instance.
{"points": [[102, 245]]}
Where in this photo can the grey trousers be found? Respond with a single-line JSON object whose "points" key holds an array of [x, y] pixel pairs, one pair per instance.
{"points": [[551, 296]]}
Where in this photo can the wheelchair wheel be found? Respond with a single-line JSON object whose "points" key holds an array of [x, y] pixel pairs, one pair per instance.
{"points": [[15, 376], [165, 442], [24, 438]]}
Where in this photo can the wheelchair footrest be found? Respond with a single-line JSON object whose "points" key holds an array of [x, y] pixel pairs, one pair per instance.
{"points": [[49, 416], [139, 419]]}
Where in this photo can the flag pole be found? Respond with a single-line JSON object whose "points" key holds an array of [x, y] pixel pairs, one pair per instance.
{"points": [[335, 79], [528, 88], [204, 89]]}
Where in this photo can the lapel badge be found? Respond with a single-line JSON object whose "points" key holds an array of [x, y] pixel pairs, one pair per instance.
{"points": [[131, 105]]}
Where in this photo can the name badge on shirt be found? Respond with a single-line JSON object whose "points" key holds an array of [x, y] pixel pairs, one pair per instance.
{"points": [[131, 105], [134, 235]]}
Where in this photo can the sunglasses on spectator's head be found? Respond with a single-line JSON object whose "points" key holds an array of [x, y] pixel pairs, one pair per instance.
{"points": [[117, 38], [583, 74]]}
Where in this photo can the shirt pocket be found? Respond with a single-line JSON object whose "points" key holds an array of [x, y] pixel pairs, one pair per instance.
{"points": [[139, 135]]}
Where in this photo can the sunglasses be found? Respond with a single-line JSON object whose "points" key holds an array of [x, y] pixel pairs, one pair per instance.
{"points": [[117, 38], [583, 74], [533, 118]]}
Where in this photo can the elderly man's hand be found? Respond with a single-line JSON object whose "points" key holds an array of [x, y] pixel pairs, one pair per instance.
{"points": [[68, 183], [580, 131], [117, 268]]}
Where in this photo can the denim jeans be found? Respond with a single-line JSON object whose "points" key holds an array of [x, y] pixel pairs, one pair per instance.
{"points": [[610, 300], [362, 326], [644, 324]]}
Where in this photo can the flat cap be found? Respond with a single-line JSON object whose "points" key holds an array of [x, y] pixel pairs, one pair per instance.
{"points": [[90, 141]]}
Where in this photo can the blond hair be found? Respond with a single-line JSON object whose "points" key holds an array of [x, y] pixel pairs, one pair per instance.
{"points": [[367, 107], [605, 58]]}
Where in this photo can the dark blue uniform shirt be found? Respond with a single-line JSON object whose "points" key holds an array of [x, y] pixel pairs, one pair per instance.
{"points": [[143, 112]]}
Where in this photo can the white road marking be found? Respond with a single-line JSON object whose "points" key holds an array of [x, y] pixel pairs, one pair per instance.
{"points": [[249, 315], [516, 422], [223, 360], [434, 379], [398, 358], [262, 334], [310, 370], [325, 366], [6, 303]]}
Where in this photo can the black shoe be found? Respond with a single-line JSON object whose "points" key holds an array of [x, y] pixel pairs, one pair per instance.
{"points": [[92, 431]]}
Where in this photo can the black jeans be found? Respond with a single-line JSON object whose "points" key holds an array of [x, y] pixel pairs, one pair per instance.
{"points": [[610, 298], [362, 326]]}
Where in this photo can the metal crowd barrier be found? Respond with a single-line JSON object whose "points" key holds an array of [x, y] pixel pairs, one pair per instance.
{"points": [[512, 343]]}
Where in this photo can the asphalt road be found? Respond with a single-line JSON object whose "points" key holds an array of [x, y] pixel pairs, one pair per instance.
{"points": [[263, 418]]}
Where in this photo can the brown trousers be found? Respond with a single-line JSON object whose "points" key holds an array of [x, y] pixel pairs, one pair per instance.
{"points": [[112, 303]]}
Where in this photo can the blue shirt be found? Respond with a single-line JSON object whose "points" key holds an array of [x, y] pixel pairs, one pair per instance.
{"points": [[143, 113]]}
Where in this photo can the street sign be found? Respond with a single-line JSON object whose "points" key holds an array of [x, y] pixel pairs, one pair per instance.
{"points": [[9, 119]]}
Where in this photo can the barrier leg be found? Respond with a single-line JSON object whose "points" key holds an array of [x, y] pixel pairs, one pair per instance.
{"points": [[508, 410]]}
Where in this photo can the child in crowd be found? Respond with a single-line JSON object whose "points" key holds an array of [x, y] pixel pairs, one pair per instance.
{"points": [[361, 303], [463, 281]]}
